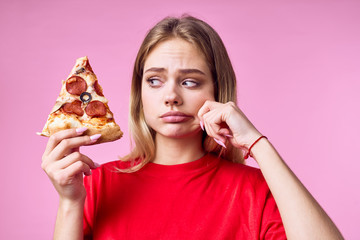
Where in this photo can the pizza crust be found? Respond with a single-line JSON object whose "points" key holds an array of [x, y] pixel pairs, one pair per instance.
{"points": [[109, 131]]}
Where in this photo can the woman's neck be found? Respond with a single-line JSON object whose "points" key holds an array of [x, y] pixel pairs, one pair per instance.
{"points": [[171, 151]]}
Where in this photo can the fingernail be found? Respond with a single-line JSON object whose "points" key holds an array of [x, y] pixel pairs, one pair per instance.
{"points": [[202, 125], [96, 164], [81, 129], [95, 137], [219, 142], [229, 136]]}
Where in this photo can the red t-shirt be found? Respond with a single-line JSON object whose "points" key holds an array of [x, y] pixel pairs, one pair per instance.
{"points": [[210, 198]]}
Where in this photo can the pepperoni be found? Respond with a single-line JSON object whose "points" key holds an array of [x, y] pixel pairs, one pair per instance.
{"points": [[67, 107], [96, 109], [98, 89], [74, 107], [76, 85]]}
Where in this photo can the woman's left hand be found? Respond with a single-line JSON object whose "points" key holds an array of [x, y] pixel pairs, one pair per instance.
{"points": [[227, 121]]}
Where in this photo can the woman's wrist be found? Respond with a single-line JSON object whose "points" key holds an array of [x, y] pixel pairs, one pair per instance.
{"points": [[69, 219], [260, 148], [246, 140], [248, 153], [68, 204]]}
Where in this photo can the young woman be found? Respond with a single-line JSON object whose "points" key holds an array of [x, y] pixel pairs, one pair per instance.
{"points": [[184, 178]]}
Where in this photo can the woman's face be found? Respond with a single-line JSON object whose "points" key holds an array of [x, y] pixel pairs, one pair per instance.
{"points": [[176, 83]]}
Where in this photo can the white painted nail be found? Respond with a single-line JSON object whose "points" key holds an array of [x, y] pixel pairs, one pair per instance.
{"points": [[95, 137], [202, 125], [219, 142], [96, 164], [81, 129]]}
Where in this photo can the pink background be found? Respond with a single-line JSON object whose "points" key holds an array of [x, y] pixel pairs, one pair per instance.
{"points": [[298, 69]]}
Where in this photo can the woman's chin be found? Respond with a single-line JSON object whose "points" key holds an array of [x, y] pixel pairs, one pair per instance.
{"points": [[180, 133]]}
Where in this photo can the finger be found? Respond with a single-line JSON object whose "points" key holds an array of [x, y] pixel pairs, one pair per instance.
{"points": [[72, 158], [225, 132], [67, 145], [67, 161], [212, 129], [77, 149], [77, 168], [213, 121], [56, 138], [219, 137], [208, 106]]}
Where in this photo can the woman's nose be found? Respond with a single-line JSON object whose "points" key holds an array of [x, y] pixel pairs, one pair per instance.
{"points": [[172, 96]]}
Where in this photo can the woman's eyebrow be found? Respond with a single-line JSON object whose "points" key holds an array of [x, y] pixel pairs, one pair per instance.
{"points": [[155, 69], [191, 70], [183, 71]]}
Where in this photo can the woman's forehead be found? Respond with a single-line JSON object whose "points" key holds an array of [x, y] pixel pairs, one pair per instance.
{"points": [[174, 54]]}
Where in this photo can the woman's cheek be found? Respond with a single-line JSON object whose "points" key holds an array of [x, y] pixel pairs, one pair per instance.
{"points": [[204, 98]]}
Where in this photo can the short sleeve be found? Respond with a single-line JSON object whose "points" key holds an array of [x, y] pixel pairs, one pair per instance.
{"points": [[271, 224], [89, 206]]}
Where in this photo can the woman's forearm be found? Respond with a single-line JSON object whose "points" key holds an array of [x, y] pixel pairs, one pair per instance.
{"points": [[69, 221], [302, 216]]}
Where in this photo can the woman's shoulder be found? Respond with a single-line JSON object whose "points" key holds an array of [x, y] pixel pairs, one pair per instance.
{"points": [[239, 167], [120, 164], [241, 172]]}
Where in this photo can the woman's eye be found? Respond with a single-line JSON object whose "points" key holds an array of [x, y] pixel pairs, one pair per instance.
{"points": [[153, 82], [190, 83]]}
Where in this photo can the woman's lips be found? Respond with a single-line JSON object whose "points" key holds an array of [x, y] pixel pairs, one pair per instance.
{"points": [[175, 117]]}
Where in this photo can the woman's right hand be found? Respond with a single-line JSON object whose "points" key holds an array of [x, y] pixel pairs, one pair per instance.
{"points": [[65, 165]]}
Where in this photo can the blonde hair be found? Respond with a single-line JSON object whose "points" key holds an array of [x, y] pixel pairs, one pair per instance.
{"points": [[209, 42]]}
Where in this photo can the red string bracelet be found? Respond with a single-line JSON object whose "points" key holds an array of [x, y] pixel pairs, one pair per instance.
{"points": [[249, 151]]}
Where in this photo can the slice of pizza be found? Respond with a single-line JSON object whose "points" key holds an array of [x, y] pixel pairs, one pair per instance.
{"points": [[81, 103]]}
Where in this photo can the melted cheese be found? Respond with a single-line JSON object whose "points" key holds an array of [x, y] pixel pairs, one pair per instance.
{"points": [[94, 95], [62, 121]]}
